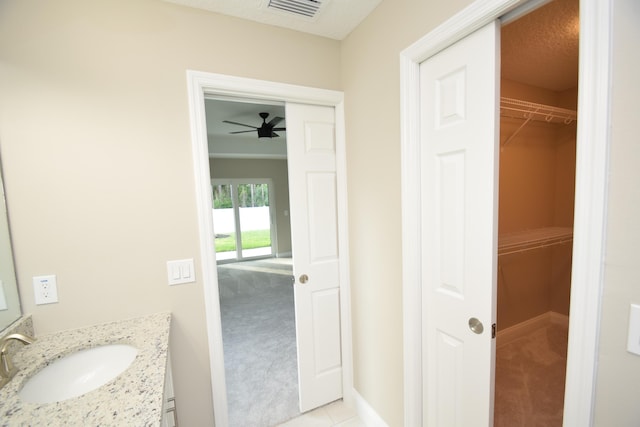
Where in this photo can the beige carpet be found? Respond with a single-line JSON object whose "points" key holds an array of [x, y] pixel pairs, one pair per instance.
{"points": [[530, 374]]}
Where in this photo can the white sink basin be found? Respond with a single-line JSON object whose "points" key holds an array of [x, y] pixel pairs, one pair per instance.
{"points": [[78, 373]]}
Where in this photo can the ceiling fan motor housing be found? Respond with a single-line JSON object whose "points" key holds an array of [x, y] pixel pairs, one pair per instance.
{"points": [[265, 132]]}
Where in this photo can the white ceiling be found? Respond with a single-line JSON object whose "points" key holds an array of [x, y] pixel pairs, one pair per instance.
{"points": [[539, 49], [335, 19], [244, 145]]}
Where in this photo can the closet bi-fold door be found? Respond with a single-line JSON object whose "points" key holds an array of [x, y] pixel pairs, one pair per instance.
{"points": [[459, 172]]}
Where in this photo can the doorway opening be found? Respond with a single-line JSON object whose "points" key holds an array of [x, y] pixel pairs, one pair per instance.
{"points": [[306, 103], [250, 200], [538, 124]]}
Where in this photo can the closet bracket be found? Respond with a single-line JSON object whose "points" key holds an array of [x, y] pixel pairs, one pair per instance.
{"points": [[517, 131], [516, 108]]}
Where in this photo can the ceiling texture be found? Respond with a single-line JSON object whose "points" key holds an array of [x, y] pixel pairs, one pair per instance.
{"points": [[539, 49]]}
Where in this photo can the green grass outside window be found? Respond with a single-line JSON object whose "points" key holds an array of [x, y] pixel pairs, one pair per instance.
{"points": [[250, 240]]}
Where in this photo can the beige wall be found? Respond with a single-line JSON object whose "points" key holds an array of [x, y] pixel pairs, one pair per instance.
{"points": [[262, 168], [618, 370], [96, 149], [371, 81], [560, 291]]}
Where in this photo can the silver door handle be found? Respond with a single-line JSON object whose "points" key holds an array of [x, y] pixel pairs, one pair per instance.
{"points": [[476, 326], [303, 279]]}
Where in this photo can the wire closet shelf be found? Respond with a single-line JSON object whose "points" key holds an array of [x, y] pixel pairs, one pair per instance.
{"points": [[523, 241], [518, 109]]}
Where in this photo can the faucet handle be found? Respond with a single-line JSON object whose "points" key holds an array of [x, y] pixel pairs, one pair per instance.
{"points": [[7, 371]]}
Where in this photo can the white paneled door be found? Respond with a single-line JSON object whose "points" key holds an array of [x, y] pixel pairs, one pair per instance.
{"points": [[459, 163], [314, 229]]}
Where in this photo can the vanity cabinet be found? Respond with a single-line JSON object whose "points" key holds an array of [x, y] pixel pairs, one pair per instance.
{"points": [[169, 410], [138, 396]]}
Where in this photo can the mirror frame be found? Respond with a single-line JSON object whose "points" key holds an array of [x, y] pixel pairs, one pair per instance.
{"points": [[9, 293]]}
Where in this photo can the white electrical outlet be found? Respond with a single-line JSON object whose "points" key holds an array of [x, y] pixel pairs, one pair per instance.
{"points": [[45, 289]]}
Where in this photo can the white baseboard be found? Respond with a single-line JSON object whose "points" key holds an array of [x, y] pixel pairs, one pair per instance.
{"points": [[366, 413], [516, 331]]}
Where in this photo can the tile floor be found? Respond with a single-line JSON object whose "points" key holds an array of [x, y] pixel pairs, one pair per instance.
{"points": [[335, 414]]}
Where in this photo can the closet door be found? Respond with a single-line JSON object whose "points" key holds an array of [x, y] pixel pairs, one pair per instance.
{"points": [[459, 164]]}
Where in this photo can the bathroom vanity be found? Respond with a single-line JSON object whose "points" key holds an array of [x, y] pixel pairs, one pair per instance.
{"points": [[141, 395]]}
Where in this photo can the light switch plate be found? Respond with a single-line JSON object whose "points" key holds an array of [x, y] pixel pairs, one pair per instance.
{"points": [[633, 342], [180, 271]]}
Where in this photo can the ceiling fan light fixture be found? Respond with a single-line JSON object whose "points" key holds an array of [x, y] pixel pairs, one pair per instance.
{"points": [[266, 130]]}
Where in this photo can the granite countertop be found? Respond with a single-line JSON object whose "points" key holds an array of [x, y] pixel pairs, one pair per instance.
{"points": [[134, 398]]}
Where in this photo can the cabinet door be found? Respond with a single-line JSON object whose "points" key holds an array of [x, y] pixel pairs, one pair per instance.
{"points": [[169, 411]]}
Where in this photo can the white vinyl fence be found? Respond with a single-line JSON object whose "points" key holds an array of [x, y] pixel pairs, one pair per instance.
{"points": [[250, 219]]}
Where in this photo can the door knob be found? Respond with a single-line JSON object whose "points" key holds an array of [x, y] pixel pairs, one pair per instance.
{"points": [[303, 279], [475, 325]]}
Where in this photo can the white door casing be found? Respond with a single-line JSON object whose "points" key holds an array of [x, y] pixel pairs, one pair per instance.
{"points": [[459, 166], [201, 84], [314, 239], [594, 101]]}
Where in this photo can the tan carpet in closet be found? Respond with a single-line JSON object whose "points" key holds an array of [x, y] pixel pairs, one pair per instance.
{"points": [[530, 374]]}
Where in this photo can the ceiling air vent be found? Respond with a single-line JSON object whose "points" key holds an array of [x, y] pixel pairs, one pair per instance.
{"points": [[307, 8]]}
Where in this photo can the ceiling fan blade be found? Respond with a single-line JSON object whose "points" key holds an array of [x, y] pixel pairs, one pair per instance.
{"points": [[274, 135], [239, 124], [241, 131], [277, 129], [275, 121]]}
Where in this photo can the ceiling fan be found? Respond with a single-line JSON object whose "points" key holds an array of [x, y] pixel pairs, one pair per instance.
{"points": [[266, 130]]}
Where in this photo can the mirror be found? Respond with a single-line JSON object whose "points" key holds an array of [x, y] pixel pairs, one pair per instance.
{"points": [[9, 297]]}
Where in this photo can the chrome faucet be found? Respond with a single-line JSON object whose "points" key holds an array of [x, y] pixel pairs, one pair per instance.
{"points": [[7, 370]]}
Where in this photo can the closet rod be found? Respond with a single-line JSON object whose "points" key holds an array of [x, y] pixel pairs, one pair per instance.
{"points": [[516, 108]]}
